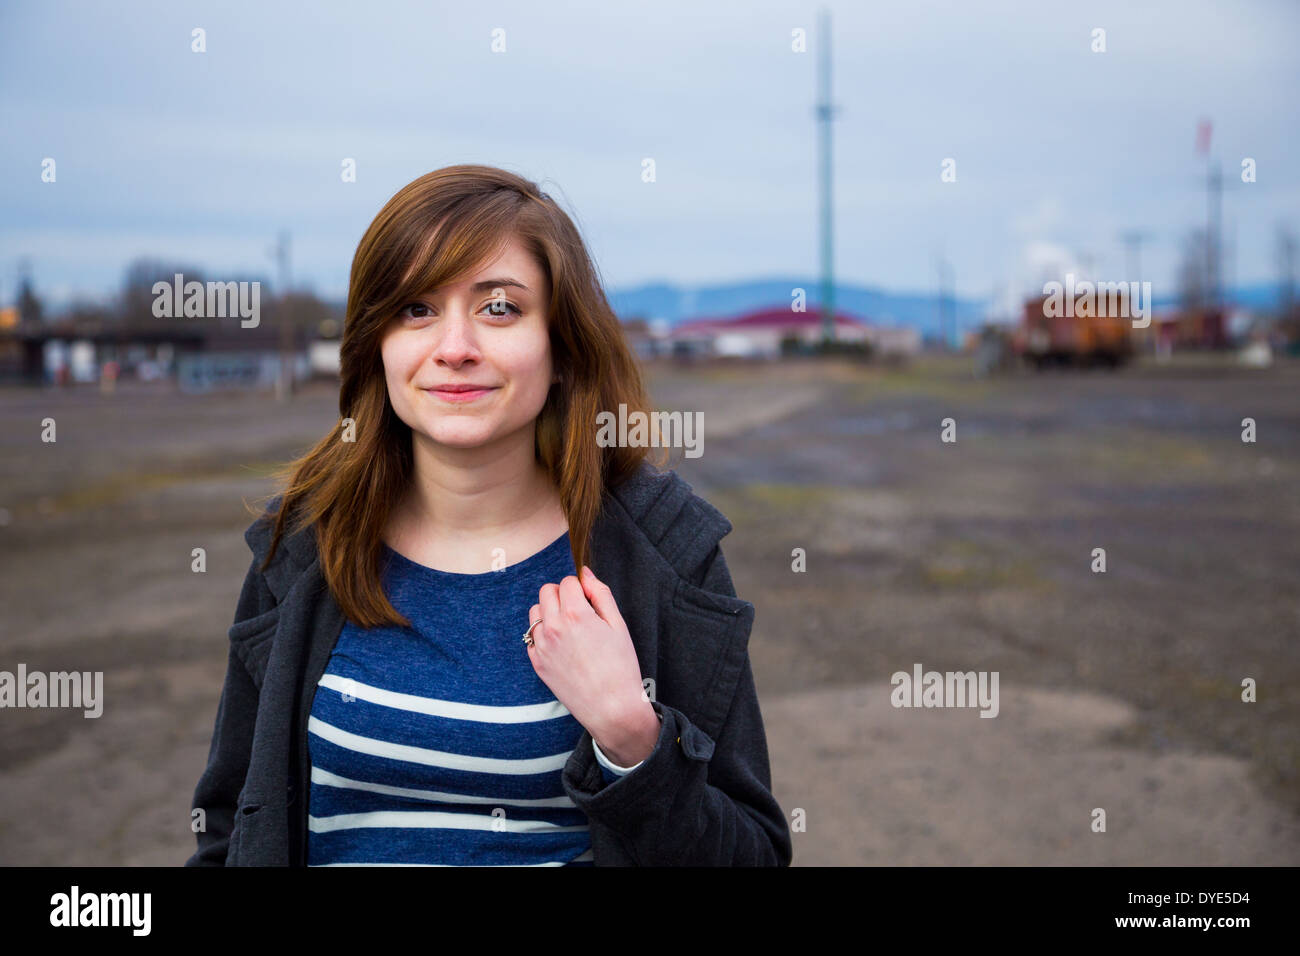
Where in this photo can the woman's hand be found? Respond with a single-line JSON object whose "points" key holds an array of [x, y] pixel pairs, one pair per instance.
{"points": [[583, 652]]}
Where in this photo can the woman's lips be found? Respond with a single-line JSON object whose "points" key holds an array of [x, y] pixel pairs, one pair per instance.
{"points": [[459, 397]]}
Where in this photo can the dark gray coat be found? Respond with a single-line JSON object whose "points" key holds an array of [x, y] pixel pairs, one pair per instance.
{"points": [[703, 797]]}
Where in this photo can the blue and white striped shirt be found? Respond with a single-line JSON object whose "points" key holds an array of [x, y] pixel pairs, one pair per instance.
{"points": [[438, 744]]}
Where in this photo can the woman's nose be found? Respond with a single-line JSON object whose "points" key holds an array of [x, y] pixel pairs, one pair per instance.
{"points": [[456, 342]]}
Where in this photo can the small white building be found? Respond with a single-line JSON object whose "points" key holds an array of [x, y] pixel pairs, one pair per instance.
{"points": [[759, 334]]}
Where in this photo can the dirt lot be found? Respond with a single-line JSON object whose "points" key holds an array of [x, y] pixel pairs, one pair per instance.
{"points": [[1119, 691]]}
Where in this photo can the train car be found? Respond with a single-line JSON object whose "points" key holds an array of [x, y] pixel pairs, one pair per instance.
{"points": [[1048, 337]]}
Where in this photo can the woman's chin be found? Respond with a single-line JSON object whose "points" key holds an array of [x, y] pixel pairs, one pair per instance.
{"points": [[459, 437]]}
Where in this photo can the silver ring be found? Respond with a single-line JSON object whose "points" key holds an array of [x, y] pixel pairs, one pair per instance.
{"points": [[528, 634]]}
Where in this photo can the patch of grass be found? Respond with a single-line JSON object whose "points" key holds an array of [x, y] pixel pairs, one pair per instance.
{"points": [[753, 504], [914, 381], [1212, 688], [1147, 453], [790, 370], [111, 490], [117, 488], [963, 564], [788, 496]]}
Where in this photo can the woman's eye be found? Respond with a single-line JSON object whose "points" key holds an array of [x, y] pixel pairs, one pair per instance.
{"points": [[407, 312], [499, 307]]}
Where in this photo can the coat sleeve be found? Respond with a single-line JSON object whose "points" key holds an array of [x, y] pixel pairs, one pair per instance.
{"points": [[696, 801], [218, 789]]}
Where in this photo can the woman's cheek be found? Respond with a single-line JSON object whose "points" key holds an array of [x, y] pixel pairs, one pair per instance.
{"points": [[532, 379]]}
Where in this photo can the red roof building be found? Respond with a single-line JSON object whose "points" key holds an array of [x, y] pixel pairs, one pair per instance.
{"points": [[760, 332]]}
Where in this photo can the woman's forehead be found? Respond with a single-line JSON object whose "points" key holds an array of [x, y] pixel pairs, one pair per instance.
{"points": [[510, 258]]}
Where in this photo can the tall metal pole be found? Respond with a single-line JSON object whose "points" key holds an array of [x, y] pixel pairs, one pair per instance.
{"points": [[1229, 260], [1286, 249], [1133, 254], [825, 112], [1214, 200], [947, 319], [284, 389], [949, 307]]}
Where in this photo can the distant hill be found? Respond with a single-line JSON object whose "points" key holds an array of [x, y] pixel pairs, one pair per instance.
{"points": [[676, 303], [1262, 297]]}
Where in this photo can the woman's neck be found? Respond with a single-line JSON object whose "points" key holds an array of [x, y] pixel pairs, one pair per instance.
{"points": [[469, 518]]}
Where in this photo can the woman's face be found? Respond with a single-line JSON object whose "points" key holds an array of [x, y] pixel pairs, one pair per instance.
{"points": [[490, 331]]}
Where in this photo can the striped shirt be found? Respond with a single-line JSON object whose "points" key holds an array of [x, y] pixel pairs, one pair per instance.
{"points": [[438, 744]]}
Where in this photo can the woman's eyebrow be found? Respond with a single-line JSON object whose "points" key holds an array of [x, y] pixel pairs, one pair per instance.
{"points": [[487, 285]]}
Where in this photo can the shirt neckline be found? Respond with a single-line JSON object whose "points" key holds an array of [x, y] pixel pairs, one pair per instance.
{"points": [[485, 578]]}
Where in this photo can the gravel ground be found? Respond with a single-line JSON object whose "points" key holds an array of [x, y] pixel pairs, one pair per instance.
{"points": [[1118, 691]]}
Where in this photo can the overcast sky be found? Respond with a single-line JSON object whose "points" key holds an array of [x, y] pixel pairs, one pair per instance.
{"points": [[203, 157]]}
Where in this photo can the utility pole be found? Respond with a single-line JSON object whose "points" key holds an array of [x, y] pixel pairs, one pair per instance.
{"points": [[1286, 256], [284, 384], [1087, 262], [1213, 204], [825, 112], [1229, 259], [947, 313], [1214, 216], [950, 301], [1133, 254], [1133, 240]]}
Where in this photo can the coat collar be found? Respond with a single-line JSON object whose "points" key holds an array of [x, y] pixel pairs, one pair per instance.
{"points": [[680, 525]]}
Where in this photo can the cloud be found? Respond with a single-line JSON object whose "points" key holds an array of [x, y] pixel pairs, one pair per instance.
{"points": [[1043, 218]]}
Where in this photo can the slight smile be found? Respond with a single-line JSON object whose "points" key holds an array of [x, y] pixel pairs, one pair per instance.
{"points": [[459, 394]]}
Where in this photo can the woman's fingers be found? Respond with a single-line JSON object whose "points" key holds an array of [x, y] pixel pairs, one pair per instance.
{"points": [[601, 597], [573, 600], [548, 607]]}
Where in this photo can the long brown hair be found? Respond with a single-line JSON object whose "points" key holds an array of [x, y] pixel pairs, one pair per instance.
{"points": [[431, 232]]}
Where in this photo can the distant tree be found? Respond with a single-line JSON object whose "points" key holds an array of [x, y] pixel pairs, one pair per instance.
{"points": [[135, 303], [30, 308], [89, 315], [307, 311]]}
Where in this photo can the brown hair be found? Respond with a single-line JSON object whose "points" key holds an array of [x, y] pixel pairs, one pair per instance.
{"points": [[431, 232]]}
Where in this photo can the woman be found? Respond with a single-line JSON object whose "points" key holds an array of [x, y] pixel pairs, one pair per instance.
{"points": [[470, 634]]}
